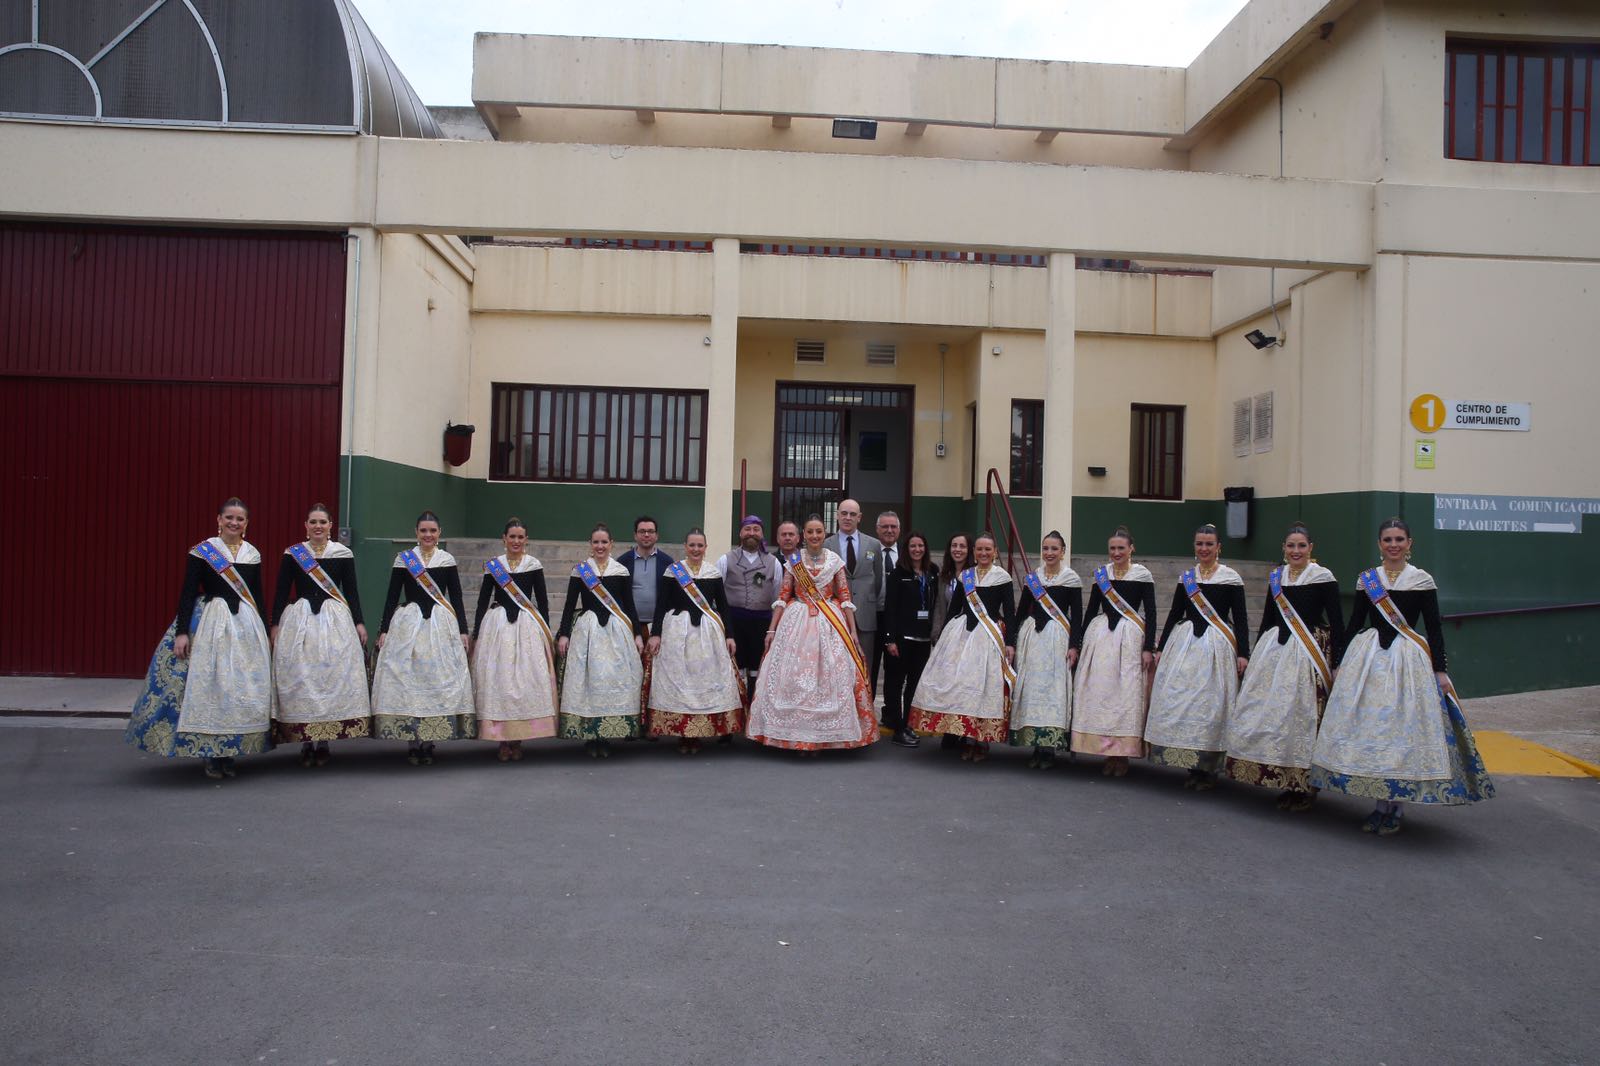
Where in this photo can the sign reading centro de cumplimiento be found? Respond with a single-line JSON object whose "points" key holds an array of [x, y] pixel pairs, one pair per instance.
{"points": [[1512, 514], [1429, 414]]}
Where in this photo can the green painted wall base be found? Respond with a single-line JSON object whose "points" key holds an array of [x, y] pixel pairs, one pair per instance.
{"points": [[1476, 571]]}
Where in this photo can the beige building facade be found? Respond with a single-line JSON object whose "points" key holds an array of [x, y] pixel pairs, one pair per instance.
{"points": [[671, 277]]}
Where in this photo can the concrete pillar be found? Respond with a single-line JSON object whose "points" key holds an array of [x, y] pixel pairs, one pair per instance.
{"points": [[721, 463], [1060, 370]]}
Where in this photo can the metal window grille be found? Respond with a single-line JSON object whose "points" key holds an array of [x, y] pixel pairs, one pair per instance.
{"points": [[1241, 428], [1522, 102], [1027, 447], [1263, 419], [1155, 466], [810, 352], [560, 433], [880, 354]]}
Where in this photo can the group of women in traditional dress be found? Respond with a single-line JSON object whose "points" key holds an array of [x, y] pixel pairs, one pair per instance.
{"points": [[1364, 708]]}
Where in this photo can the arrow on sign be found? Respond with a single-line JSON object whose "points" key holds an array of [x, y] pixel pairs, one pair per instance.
{"points": [[1555, 527]]}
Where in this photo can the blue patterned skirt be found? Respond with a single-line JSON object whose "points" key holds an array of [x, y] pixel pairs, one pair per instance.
{"points": [[153, 725]]}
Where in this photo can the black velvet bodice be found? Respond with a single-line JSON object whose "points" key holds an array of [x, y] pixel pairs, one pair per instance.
{"points": [[1140, 595], [202, 582], [670, 597], [1228, 600], [294, 583], [531, 582], [1066, 597], [580, 598], [1317, 605], [403, 588], [1420, 603]]}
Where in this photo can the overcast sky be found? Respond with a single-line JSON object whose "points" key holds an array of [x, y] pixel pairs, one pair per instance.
{"points": [[432, 40]]}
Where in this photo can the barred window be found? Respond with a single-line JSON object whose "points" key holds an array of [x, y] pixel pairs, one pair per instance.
{"points": [[565, 433], [1155, 467], [1027, 447], [1522, 102]]}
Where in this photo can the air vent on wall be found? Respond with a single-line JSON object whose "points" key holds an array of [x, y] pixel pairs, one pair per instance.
{"points": [[1263, 433], [809, 351], [880, 354], [1241, 428]]}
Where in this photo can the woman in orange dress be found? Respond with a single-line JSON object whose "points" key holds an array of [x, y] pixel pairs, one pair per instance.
{"points": [[811, 692]]}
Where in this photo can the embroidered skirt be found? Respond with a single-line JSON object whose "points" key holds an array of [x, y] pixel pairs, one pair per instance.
{"points": [[321, 675], [422, 689], [513, 679], [1108, 699], [694, 690], [809, 694], [217, 703], [1195, 684], [962, 690], [601, 682], [1041, 704], [1389, 733], [1273, 725]]}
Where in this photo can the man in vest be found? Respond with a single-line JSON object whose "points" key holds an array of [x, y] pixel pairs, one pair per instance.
{"points": [[751, 578]]}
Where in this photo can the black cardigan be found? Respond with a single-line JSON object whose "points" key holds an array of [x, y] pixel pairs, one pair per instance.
{"points": [[294, 583], [1140, 595], [1228, 600], [671, 597], [1315, 603], [1066, 597], [402, 584], [578, 595], [531, 582], [1423, 603], [200, 580]]}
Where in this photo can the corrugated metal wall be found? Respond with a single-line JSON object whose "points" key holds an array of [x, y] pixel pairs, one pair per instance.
{"points": [[145, 376]]}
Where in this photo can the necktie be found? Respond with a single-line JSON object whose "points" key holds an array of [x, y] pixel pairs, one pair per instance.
{"points": [[888, 566], [850, 552]]}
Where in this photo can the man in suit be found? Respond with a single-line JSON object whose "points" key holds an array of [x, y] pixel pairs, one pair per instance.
{"points": [[888, 528], [863, 567]]}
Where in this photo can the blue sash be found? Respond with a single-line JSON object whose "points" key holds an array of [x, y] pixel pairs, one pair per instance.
{"points": [[308, 562], [591, 581], [1102, 579], [969, 585], [413, 564], [1042, 597], [224, 568], [1191, 586]]}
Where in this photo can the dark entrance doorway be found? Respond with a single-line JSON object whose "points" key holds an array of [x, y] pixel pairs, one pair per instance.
{"points": [[833, 441]]}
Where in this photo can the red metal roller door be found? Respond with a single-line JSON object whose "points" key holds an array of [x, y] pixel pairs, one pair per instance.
{"points": [[144, 377]]}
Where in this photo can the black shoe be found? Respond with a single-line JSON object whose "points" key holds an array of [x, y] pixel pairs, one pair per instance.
{"points": [[213, 769], [905, 738], [949, 741], [427, 753], [228, 769]]}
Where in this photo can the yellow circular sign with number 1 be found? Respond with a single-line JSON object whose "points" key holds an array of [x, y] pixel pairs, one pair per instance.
{"points": [[1427, 413]]}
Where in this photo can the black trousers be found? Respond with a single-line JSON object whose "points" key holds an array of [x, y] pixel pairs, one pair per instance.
{"points": [[900, 676], [749, 637], [874, 655]]}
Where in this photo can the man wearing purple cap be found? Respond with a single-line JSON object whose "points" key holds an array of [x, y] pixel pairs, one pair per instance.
{"points": [[751, 577]]}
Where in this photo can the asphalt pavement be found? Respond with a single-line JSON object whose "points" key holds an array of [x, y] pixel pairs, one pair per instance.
{"points": [[746, 906]]}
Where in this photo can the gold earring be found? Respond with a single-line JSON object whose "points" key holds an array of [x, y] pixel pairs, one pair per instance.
{"points": [[1408, 555]]}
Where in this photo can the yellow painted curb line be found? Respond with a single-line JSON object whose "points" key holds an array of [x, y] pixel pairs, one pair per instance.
{"points": [[1504, 753]]}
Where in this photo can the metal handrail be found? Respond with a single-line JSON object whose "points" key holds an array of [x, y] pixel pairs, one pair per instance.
{"points": [[1505, 612], [1014, 542]]}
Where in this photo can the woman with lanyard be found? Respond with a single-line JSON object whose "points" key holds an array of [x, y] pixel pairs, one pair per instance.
{"points": [[966, 689], [695, 691], [602, 646], [422, 689], [1273, 725], [318, 641], [513, 651], [812, 692], [208, 693], [913, 589], [1204, 650], [1393, 730], [1114, 652], [1050, 611]]}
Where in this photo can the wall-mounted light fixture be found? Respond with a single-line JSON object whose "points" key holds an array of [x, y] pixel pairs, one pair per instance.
{"points": [[996, 350], [1259, 340], [457, 444], [1097, 471], [855, 129]]}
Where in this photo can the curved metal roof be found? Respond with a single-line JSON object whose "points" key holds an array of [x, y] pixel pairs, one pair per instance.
{"points": [[298, 64]]}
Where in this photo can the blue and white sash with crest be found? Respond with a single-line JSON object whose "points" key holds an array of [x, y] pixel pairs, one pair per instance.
{"points": [[1298, 627], [969, 585], [502, 577], [313, 569], [1041, 596], [413, 564], [225, 570], [1108, 592], [592, 582], [1191, 586]]}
